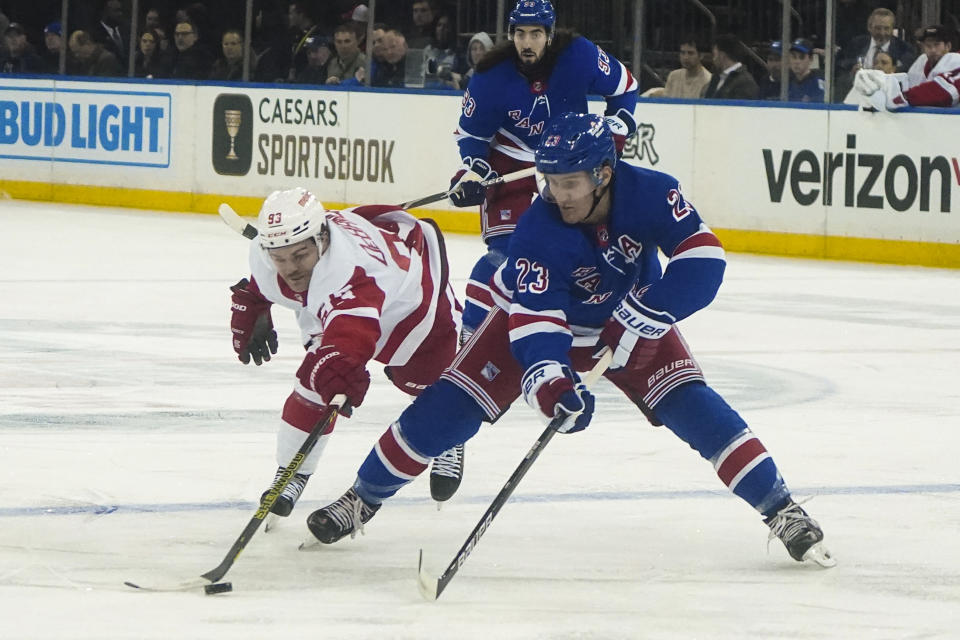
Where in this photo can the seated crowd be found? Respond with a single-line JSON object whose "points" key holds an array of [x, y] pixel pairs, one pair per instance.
{"points": [[324, 43]]}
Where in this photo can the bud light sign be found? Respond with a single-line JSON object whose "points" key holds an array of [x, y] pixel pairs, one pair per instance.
{"points": [[88, 126]]}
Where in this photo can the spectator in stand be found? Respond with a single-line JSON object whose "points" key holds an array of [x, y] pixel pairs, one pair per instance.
{"points": [[191, 61], [317, 51], [480, 43], [732, 81], [690, 80], [769, 85], [109, 30], [938, 57], [303, 23], [272, 44], [358, 19], [229, 66], [152, 19], [390, 72], [91, 57], [349, 59], [885, 62], [150, 61], [445, 65], [806, 84], [21, 56], [861, 52], [420, 34], [52, 45]]}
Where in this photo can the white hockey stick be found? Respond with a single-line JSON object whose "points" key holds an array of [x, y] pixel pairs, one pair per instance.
{"points": [[430, 586], [235, 222]]}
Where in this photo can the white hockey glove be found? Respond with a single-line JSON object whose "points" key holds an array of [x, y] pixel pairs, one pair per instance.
{"points": [[633, 335], [556, 393], [879, 90]]}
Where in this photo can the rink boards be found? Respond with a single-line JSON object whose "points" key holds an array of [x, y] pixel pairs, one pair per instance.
{"points": [[818, 182]]}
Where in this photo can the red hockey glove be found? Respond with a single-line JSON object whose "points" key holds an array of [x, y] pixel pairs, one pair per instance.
{"points": [[620, 132], [468, 192], [327, 371], [632, 334], [251, 324], [557, 394]]}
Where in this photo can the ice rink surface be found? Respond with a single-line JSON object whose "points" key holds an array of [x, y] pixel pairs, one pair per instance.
{"points": [[133, 446]]}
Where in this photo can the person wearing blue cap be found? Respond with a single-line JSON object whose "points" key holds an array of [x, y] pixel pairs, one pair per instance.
{"points": [[770, 83], [53, 43], [806, 84]]}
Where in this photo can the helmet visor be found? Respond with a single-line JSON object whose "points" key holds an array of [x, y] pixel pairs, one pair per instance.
{"points": [[561, 188]]}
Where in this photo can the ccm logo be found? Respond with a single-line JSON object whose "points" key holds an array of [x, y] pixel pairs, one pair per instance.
{"points": [[238, 307]]}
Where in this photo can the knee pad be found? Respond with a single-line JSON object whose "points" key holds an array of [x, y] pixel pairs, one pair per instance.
{"points": [[440, 417]]}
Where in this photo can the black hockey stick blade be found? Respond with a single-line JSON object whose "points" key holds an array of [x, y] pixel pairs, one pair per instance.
{"points": [[431, 588], [235, 222], [215, 574]]}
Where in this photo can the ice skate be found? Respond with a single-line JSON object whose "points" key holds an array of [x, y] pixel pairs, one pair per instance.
{"points": [[290, 494], [344, 517], [800, 534], [446, 472]]}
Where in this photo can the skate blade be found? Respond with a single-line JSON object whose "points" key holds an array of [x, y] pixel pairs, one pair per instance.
{"points": [[819, 554], [271, 522], [310, 544]]}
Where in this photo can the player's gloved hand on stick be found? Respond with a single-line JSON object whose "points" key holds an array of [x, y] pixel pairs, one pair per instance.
{"points": [[633, 335], [251, 324], [620, 132], [327, 371], [555, 391], [465, 184]]}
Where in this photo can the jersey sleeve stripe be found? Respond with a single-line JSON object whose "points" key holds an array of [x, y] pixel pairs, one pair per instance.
{"points": [[715, 253], [460, 134], [355, 312], [627, 81]]}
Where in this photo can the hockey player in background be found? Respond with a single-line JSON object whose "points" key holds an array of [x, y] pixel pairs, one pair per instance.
{"points": [[582, 274], [517, 88], [884, 92], [367, 283]]}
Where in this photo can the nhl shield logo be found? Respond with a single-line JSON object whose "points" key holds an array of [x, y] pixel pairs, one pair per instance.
{"points": [[489, 371]]}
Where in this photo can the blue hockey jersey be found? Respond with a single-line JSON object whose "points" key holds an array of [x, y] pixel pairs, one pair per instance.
{"points": [[562, 282], [503, 110]]}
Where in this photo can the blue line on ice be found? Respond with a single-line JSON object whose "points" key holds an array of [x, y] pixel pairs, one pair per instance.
{"points": [[105, 509]]}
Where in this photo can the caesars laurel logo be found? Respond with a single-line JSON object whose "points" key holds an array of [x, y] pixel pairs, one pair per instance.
{"points": [[232, 144]]}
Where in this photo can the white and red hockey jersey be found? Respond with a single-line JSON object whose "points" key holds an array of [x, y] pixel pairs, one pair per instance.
{"points": [[374, 292], [921, 70], [941, 91]]}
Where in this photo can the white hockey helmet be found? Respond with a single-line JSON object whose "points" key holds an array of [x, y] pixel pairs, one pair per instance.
{"points": [[288, 217]]}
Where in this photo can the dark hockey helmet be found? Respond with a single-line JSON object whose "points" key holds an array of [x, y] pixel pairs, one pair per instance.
{"points": [[576, 142], [539, 12]]}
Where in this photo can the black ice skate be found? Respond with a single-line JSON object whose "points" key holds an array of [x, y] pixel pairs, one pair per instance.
{"points": [[800, 534], [446, 472], [290, 494], [344, 517]]}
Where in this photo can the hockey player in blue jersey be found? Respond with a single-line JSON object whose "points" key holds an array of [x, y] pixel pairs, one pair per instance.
{"points": [[519, 86], [582, 274]]}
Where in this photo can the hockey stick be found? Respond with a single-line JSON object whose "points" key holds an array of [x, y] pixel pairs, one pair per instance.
{"points": [[430, 587], [442, 195], [247, 230], [214, 575]]}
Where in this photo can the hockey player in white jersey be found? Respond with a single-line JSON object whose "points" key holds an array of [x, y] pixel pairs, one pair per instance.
{"points": [[365, 283]]}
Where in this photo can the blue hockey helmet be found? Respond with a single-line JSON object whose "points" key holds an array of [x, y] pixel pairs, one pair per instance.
{"points": [[539, 12], [576, 142]]}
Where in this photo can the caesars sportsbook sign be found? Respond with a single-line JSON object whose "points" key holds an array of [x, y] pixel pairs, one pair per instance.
{"points": [[292, 134]]}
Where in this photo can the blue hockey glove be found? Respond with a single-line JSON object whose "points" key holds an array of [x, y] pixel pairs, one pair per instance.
{"points": [[555, 391], [465, 184], [632, 334]]}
